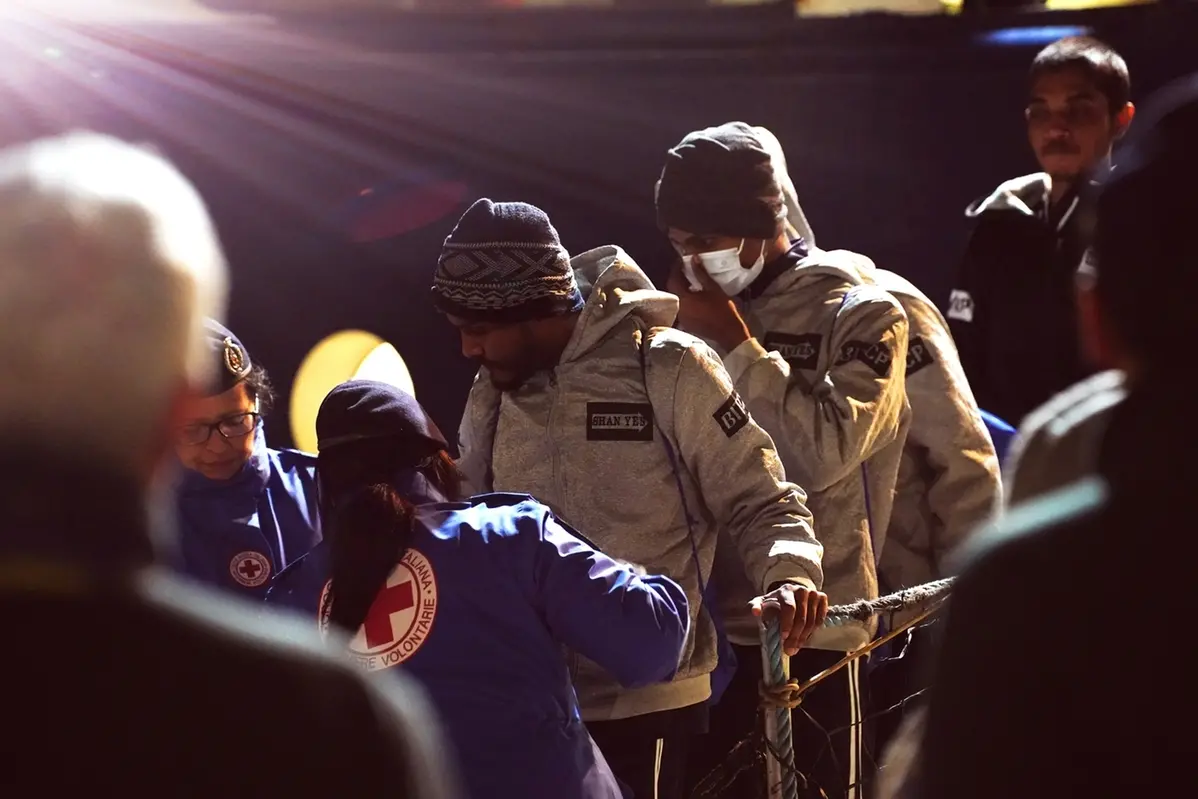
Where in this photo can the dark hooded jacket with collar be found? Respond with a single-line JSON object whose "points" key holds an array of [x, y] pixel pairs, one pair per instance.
{"points": [[1012, 310]]}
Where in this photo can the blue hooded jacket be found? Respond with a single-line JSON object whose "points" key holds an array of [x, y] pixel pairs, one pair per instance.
{"points": [[481, 609], [237, 534]]}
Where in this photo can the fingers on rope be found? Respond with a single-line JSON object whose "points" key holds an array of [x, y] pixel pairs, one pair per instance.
{"points": [[929, 596]]}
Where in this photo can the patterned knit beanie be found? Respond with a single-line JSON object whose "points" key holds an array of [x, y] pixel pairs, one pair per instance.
{"points": [[504, 263]]}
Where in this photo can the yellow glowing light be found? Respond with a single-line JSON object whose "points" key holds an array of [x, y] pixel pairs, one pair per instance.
{"points": [[345, 355]]}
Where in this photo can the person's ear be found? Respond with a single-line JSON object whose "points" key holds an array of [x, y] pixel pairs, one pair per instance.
{"points": [[1123, 120], [1100, 342]]}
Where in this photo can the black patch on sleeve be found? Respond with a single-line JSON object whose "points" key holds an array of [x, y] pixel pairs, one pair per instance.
{"points": [[876, 356], [619, 421], [800, 350], [732, 415], [918, 355]]}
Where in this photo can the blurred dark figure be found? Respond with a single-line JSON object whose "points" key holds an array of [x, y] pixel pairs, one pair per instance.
{"points": [[1052, 681], [119, 679], [1059, 442], [1012, 309]]}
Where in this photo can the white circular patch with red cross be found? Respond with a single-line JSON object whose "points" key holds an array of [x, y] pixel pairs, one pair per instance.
{"points": [[250, 568], [399, 621]]}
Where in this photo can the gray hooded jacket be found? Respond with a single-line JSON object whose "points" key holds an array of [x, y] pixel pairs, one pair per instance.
{"points": [[949, 478], [824, 374], [589, 440]]}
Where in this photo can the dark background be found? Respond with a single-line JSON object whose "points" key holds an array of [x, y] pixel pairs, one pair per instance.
{"points": [[891, 126]]}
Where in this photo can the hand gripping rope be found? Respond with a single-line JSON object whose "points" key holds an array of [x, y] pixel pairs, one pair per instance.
{"points": [[780, 694]]}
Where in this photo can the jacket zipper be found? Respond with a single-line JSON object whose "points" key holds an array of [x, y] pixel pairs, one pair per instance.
{"points": [[572, 662], [554, 454]]}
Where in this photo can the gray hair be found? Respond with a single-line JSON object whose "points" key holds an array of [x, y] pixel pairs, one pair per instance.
{"points": [[109, 264]]}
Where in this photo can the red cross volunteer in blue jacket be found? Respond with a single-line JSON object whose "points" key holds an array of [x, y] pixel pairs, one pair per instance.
{"points": [[245, 510], [477, 598]]}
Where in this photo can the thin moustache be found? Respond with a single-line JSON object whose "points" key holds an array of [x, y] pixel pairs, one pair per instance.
{"points": [[1060, 148]]}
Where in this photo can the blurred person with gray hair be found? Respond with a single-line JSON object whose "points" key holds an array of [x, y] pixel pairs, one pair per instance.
{"points": [[118, 672]]}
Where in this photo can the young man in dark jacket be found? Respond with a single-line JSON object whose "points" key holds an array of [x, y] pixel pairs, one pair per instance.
{"points": [[120, 678], [1012, 309], [1067, 700]]}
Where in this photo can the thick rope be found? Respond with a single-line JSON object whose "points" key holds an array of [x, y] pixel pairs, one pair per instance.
{"points": [[784, 695], [783, 742], [900, 600]]}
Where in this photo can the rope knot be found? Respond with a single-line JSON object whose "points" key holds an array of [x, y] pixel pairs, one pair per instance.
{"points": [[788, 695]]}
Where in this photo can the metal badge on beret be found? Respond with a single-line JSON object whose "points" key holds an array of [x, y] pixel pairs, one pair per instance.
{"points": [[236, 360]]}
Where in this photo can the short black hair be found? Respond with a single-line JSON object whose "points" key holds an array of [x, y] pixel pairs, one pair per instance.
{"points": [[258, 386], [1098, 60]]}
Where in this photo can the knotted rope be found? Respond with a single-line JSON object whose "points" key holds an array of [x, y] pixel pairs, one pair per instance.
{"points": [[780, 771], [782, 695]]}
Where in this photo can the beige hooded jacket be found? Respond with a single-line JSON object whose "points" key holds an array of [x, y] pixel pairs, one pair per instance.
{"points": [[589, 440]]}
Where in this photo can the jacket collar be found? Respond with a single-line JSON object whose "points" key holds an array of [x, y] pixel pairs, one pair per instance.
{"points": [[778, 267]]}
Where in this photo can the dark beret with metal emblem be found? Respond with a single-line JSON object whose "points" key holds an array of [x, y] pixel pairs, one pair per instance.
{"points": [[232, 361]]}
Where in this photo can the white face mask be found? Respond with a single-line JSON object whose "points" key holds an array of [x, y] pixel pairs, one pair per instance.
{"points": [[725, 268]]}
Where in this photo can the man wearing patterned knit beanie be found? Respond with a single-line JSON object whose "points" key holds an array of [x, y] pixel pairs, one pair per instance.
{"points": [[504, 267], [631, 431]]}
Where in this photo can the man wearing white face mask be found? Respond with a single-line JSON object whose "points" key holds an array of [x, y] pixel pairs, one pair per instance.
{"points": [[726, 268], [819, 356], [949, 480]]}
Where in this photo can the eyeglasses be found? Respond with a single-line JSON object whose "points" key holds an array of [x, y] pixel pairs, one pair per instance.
{"points": [[1076, 113], [230, 428]]}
